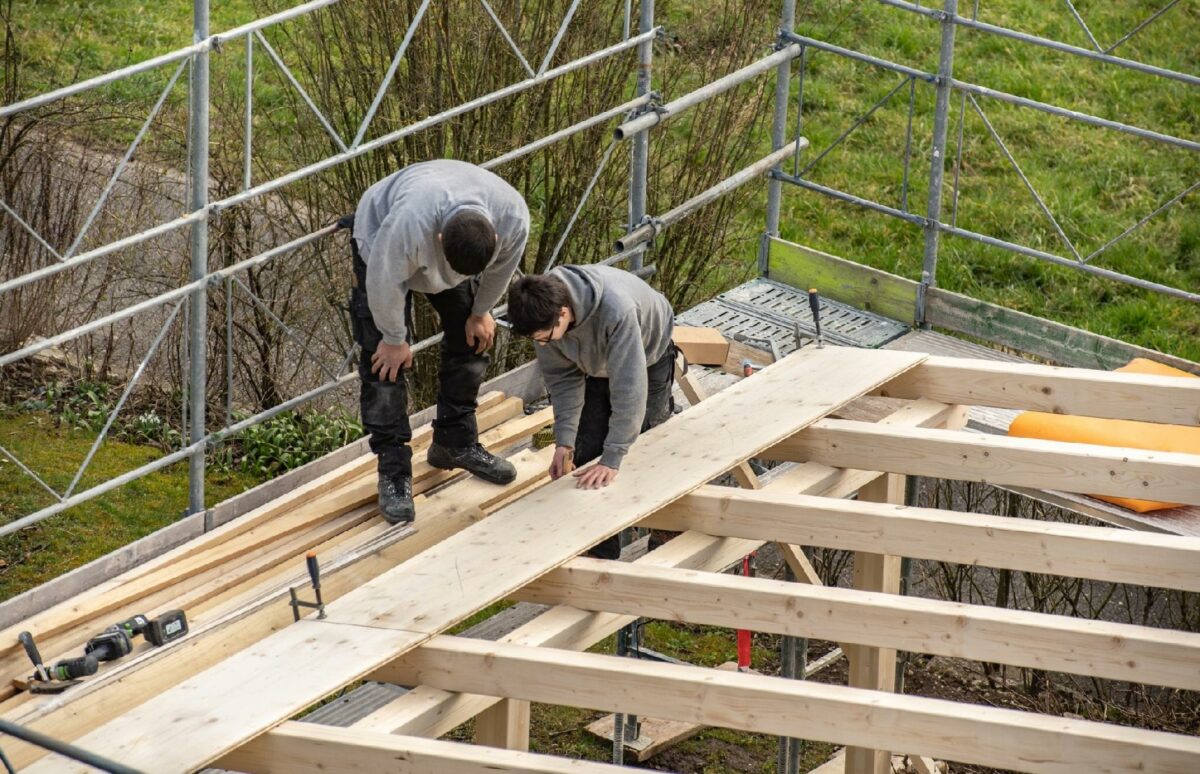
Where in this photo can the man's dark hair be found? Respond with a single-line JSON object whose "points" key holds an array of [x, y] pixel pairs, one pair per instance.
{"points": [[534, 303], [469, 241]]}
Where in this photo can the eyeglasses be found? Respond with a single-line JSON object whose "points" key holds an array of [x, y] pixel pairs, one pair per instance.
{"points": [[549, 337]]}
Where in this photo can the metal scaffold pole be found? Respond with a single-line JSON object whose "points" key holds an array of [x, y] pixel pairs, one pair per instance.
{"points": [[198, 200], [783, 77], [639, 162], [941, 120]]}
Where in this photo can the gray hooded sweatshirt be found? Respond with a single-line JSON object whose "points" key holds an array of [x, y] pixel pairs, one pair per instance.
{"points": [[397, 224], [621, 327]]}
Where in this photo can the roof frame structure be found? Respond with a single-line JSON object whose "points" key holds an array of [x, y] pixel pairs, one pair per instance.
{"points": [[395, 636]]}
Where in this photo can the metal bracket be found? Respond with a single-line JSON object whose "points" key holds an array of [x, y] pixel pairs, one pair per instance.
{"points": [[655, 225]]}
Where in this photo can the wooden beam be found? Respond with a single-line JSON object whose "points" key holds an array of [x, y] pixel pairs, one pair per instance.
{"points": [[995, 459], [874, 668], [505, 725], [1001, 738], [842, 280], [1142, 397], [429, 711], [1113, 651], [1028, 545], [199, 720], [308, 748]]}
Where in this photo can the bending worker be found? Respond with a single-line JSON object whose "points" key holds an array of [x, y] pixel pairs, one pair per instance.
{"points": [[605, 351], [456, 233]]}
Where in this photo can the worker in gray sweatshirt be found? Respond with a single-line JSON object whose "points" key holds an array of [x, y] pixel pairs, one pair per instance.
{"points": [[605, 351], [456, 233]]}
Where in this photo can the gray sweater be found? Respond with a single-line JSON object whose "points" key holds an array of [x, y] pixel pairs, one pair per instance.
{"points": [[622, 326], [396, 227]]}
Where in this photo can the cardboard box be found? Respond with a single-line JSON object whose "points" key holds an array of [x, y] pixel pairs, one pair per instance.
{"points": [[702, 346]]}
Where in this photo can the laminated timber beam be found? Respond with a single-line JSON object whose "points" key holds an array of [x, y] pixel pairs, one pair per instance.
{"points": [[309, 748], [1138, 654], [1072, 550], [199, 720], [994, 459], [430, 711], [1148, 398], [1002, 738]]}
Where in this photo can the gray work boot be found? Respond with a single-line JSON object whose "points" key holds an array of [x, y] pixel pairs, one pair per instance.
{"points": [[396, 500], [474, 459]]}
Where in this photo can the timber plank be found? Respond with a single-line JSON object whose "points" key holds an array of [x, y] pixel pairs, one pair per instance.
{"points": [[1114, 395], [877, 620], [992, 459], [292, 513], [308, 748], [1027, 545], [485, 562], [135, 680], [804, 709]]}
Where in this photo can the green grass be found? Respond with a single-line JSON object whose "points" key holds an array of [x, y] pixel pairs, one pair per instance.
{"points": [[1096, 181], [88, 531]]}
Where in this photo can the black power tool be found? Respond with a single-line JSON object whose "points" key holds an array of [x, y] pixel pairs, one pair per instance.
{"points": [[117, 640]]}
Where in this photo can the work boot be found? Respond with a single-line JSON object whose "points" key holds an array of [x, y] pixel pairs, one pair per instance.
{"points": [[474, 459], [396, 500]]}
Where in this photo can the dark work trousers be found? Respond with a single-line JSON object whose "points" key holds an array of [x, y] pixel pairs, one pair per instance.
{"points": [[597, 409], [384, 404]]}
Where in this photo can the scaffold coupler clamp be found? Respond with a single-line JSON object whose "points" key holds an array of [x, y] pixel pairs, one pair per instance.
{"points": [[314, 575], [654, 224]]}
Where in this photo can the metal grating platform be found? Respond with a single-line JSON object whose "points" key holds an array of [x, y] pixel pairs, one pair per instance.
{"points": [[767, 310]]}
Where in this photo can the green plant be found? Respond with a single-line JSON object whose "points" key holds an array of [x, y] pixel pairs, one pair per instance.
{"points": [[290, 440]]}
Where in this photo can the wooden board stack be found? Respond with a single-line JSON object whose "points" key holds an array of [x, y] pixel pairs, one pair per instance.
{"points": [[225, 694]]}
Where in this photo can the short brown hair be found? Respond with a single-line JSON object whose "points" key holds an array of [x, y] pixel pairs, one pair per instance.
{"points": [[534, 303], [468, 241]]}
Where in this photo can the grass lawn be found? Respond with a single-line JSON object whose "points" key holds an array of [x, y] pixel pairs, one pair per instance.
{"points": [[88, 531]]}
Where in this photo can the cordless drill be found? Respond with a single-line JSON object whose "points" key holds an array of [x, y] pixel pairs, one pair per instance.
{"points": [[167, 627], [117, 640]]}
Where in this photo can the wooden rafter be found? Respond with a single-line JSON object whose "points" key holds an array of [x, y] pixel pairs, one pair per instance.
{"points": [[1139, 654], [1002, 738], [1098, 553], [1115, 395], [308, 748], [994, 459]]}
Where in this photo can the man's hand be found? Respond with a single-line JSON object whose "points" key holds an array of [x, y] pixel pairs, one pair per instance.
{"points": [[390, 359], [481, 331], [563, 462], [595, 477]]}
